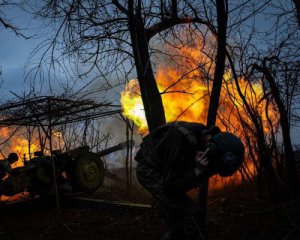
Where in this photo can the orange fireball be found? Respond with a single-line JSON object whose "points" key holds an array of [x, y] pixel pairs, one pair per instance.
{"points": [[185, 95]]}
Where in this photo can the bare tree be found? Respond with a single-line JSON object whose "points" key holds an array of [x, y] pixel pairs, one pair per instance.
{"points": [[271, 70], [297, 6], [7, 23], [107, 35], [272, 60]]}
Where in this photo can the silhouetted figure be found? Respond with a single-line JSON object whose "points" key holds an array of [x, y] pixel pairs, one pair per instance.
{"points": [[5, 164], [174, 159]]}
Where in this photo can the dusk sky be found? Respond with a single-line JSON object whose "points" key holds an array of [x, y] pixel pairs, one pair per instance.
{"points": [[150, 119], [15, 51]]}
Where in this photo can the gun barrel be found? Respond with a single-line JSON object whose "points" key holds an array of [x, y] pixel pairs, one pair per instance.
{"points": [[118, 147]]}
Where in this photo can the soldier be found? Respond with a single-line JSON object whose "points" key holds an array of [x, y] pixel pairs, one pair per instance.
{"points": [[6, 170], [176, 158], [5, 164]]}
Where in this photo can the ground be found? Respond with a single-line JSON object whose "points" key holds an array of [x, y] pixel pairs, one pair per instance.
{"points": [[234, 214]]}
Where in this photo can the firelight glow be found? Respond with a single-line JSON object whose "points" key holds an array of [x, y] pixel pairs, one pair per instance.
{"points": [[185, 95], [20, 145]]}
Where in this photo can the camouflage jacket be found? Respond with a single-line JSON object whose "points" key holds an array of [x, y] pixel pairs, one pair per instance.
{"points": [[171, 151]]}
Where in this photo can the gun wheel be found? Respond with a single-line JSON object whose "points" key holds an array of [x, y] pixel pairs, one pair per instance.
{"points": [[89, 173]]}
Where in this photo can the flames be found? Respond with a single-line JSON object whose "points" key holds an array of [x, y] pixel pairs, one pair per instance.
{"points": [[185, 89], [20, 144], [17, 143], [133, 106], [185, 95], [24, 148]]}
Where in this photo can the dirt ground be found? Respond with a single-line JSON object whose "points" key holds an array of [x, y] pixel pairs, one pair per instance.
{"points": [[233, 215]]}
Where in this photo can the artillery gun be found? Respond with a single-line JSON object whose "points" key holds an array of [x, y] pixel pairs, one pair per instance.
{"points": [[75, 170]]}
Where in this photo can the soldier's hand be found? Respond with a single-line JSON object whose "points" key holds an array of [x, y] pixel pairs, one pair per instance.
{"points": [[201, 162]]}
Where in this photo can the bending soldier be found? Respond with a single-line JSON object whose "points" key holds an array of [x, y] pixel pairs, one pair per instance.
{"points": [[176, 158]]}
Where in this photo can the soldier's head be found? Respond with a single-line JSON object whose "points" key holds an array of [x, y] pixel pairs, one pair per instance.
{"points": [[226, 153], [12, 157]]}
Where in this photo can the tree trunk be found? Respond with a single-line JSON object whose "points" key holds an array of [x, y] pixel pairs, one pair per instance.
{"points": [[127, 155], [290, 162], [151, 97], [220, 62], [264, 157], [222, 17], [297, 6]]}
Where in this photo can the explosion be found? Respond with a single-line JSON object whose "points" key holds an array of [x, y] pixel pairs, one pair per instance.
{"points": [[185, 95], [20, 144], [24, 148], [185, 91]]}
